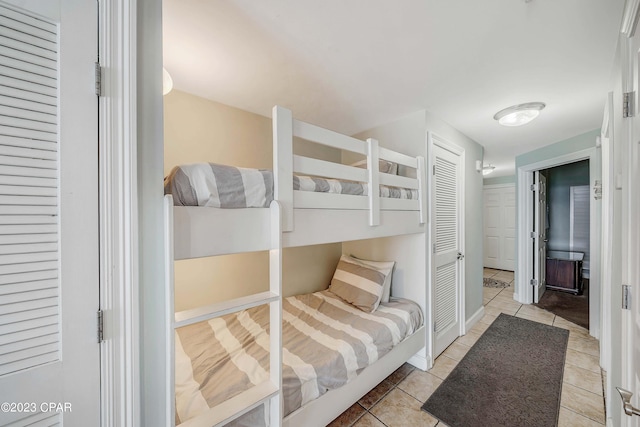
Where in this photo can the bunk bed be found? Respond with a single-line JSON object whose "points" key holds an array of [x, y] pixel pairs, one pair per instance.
{"points": [[294, 217]]}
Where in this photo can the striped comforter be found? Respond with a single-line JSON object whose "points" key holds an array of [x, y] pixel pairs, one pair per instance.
{"points": [[220, 186], [326, 343]]}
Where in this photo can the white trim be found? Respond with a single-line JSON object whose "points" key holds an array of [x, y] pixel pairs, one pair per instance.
{"points": [[120, 389], [524, 268], [475, 318], [630, 17]]}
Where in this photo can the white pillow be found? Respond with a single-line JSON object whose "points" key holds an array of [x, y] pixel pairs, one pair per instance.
{"points": [[358, 283], [381, 266]]}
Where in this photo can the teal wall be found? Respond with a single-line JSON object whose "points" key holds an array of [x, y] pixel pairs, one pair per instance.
{"points": [[559, 181], [499, 180], [571, 145]]}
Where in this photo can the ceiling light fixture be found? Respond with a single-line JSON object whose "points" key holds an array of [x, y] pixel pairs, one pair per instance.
{"points": [[167, 82], [486, 170], [518, 115]]}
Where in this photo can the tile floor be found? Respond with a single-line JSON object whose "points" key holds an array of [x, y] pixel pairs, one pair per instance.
{"points": [[396, 401]]}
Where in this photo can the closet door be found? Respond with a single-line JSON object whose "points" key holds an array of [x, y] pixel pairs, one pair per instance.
{"points": [[447, 264], [499, 227], [49, 355]]}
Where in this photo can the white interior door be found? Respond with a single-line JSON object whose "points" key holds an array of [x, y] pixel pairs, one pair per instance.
{"points": [[500, 227], [540, 240], [49, 355], [448, 258]]}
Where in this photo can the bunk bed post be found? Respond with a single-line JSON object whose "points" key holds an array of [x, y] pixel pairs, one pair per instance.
{"points": [[374, 181], [170, 311], [283, 164], [422, 188], [275, 313]]}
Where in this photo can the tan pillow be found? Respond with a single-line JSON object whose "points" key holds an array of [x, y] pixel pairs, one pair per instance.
{"points": [[381, 266], [358, 284]]}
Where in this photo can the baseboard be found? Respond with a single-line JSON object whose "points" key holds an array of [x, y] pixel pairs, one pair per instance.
{"points": [[420, 362], [475, 318]]}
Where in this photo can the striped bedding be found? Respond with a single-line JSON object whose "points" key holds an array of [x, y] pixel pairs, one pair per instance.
{"points": [[326, 343], [220, 186]]}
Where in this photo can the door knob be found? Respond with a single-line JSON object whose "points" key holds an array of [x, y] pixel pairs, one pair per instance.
{"points": [[625, 395], [460, 256]]}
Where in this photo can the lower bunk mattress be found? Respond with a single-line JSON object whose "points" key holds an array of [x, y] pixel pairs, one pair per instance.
{"points": [[220, 186], [326, 343]]}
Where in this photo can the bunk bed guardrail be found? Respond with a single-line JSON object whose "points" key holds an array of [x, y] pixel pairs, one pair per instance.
{"points": [[285, 164]]}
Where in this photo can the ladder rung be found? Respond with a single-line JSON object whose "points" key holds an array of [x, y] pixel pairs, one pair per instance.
{"points": [[200, 314], [235, 407]]}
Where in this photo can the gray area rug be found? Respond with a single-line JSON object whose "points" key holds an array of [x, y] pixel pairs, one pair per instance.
{"points": [[494, 283], [511, 377]]}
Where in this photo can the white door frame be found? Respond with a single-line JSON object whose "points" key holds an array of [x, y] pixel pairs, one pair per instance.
{"points": [[524, 266], [120, 389], [435, 139]]}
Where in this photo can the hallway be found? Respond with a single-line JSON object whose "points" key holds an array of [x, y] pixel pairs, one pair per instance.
{"points": [[397, 401]]}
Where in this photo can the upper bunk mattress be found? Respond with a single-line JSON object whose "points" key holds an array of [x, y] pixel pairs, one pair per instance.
{"points": [[326, 343], [221, 186]]}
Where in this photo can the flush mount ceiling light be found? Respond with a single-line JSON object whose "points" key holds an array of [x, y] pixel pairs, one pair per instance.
{"points": [[486, 170], [519, 115]]}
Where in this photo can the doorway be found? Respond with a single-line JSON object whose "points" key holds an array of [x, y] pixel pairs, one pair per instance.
{"points": [[526, 272], [566, 261]]}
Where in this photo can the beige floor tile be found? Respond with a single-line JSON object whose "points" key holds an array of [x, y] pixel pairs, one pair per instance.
{"points": [[375, 395], [368, 420], [584, 345], [565, 324], [505, 307], [505, 276], [531, 310], [486, 301], [348, 417], [538, 319], [583, 360], [490, 271], [420, 385], [492, 310], [456, 351], [399, 409], [506, 298], [569, 418], [479, 327], [469, 339], [583, 402], [490, 292], [583, 378], [488, 318], [443, 367]]}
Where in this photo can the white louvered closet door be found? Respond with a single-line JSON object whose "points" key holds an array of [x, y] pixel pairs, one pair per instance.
{"points": [[49, 276], [446, 237]]}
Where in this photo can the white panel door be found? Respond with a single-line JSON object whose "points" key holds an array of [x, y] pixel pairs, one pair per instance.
{"points": [[499, 227], [49, 355], [540, 224], [447, 266]]}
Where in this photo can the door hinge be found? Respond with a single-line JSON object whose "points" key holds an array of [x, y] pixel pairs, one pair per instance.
{"points": [[627, 104], [626, 297], [98, 72], [533, 282], [534, 187], [533, 235], [100, 326]]}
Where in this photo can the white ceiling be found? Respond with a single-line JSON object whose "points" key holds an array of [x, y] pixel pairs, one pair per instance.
{"points": [[350, 65]]}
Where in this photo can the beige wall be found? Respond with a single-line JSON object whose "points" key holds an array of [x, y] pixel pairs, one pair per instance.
{"points": [[198, 130]]}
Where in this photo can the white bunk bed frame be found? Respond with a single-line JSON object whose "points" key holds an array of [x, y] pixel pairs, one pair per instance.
{"points": [[295, 218]]}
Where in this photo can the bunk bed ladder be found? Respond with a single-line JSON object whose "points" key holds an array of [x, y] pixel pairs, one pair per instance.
{"points": [[268, 393]]}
